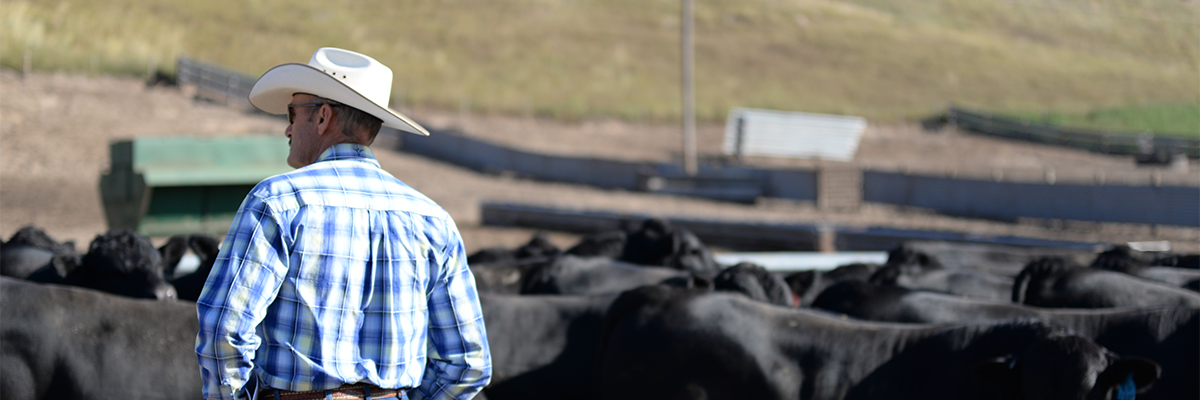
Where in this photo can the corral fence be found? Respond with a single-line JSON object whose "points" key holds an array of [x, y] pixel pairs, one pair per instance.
{"points": [[828, 187], [974, 198], [1130, 143], [214, 82], [763, 236]]}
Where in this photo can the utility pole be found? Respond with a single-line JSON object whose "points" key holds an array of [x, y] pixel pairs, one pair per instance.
{"points": [[689, 98]]}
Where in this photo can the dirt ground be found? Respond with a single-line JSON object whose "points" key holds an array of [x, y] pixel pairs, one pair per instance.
{"points": [[55, 130]]}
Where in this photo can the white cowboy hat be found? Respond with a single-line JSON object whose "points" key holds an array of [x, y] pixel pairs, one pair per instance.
{"points": [[350, 78]]}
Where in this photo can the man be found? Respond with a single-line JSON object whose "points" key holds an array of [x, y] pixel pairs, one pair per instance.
{"points": [[336, 280]]}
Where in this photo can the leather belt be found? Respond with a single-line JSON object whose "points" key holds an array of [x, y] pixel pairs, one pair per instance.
{"points": [[345, 392]]}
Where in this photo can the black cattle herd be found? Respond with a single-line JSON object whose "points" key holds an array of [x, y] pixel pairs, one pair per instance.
{"points": [[646, 313]]}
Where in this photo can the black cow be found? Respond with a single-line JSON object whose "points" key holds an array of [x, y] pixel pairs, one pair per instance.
{"points": [[569, 274], [1167, 335], [1002, 260], [873, 302], [1177, 277], [934, 277], [664, 343], [656, 243], [31, 251], [806, 285], [757, 283], [63, 342], [124, 263], [543, 347], [609, 244], [537, 246], [34, 236], [1117, 256], [1188, 261], [506, 277], [1055, 282], [1125, 260]]}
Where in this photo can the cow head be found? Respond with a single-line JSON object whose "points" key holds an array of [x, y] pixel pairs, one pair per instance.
{"points": [[755, 282], [1028, 286], [1121, 258], [690, 254], [906, 255], [123, 263], [659, 243], [33, 236], [1068, 367], [801, 282], [538, 246], [902, 264], [604, 244]]}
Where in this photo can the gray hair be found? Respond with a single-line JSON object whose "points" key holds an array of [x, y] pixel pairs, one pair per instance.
{"points": [[352, 120]]}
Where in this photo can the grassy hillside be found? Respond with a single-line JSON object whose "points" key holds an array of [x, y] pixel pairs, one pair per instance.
{"points": [[883, 59]]}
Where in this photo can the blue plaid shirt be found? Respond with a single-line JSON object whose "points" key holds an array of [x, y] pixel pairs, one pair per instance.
{"points": [[339, 273]]}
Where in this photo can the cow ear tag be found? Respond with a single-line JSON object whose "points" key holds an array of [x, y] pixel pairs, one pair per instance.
{"points": [[1127, 390]]}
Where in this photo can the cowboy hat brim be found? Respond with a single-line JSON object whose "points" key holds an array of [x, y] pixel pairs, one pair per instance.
{"points": [[273, 91]]}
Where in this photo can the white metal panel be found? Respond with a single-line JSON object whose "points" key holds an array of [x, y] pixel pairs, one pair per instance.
{"points": [[785, 261], [792, 134]]}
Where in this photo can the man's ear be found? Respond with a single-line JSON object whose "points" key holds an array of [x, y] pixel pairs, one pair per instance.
{"points": [[323, 118]]}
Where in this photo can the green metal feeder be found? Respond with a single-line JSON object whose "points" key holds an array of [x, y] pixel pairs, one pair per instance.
{"points": [[162, 186]]}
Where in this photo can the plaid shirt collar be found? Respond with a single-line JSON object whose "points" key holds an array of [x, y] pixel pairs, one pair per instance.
{"points": [[348, 151]]}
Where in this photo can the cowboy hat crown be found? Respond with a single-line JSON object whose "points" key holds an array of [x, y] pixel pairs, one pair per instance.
{"points": [[350, 78]]}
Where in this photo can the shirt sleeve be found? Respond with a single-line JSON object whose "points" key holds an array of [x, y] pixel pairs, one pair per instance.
{"points": [[244, 280], [459, 361]]}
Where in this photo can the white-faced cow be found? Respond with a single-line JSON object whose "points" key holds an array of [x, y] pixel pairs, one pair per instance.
{"points": [[205, 248]]}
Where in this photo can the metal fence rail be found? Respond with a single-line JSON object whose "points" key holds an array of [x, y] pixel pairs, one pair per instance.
{"points": [[214, 82], [752, 236], [1131, 143]]}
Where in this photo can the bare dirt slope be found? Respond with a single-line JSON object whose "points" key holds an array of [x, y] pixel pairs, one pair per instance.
{"points": [[55, 130]]}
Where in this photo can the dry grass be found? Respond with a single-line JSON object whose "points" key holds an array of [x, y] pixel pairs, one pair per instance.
{"points": [[883, 59]]}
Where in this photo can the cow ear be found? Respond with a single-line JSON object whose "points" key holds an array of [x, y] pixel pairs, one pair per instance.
{"points": [[1142, 371], [801, 281], [887, 275], [204, 246], [64, 264], [997, 373]]}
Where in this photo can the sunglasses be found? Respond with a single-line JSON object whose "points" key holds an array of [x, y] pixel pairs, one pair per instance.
{"points": [[292, 114]]}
